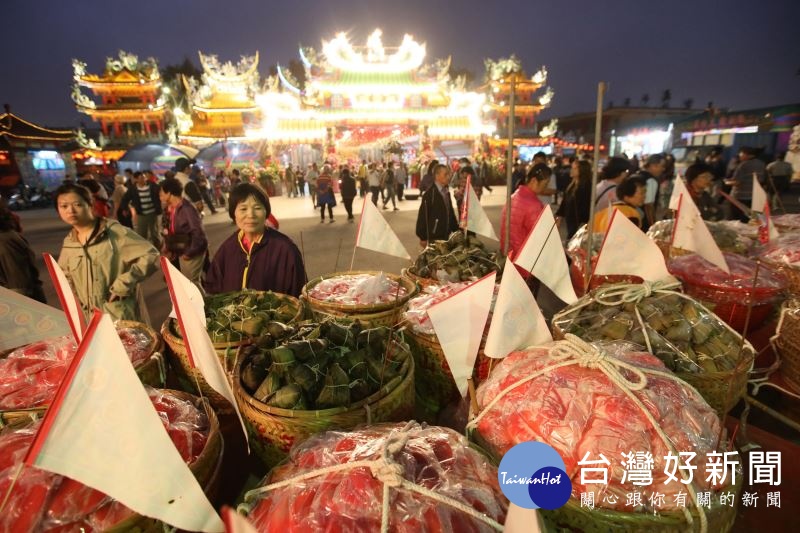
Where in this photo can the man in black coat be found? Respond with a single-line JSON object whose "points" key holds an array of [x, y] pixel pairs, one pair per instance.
{"points": [[436, 219]]}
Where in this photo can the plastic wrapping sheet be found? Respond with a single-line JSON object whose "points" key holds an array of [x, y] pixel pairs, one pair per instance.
{"points": [[790, 221], [747, 231], [42, 501], [579, 411], [358, 289], [705, 281], [30, 375], [729, 238], [436, 458], [417, 314], [785, 250], [677, 329]]}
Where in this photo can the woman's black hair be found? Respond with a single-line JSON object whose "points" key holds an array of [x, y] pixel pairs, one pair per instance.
{"points": [[695, 170], [628, 187], [615, 167], [539, 172], [171, 186], [468, 170], [67, 188], [242, 192]]}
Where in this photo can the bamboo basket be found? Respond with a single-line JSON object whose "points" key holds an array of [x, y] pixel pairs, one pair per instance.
{"points": [[189, 377], [433, 380], [422, 282], [790, 272], [787, 343], [713, 386], [152, 371], [372, 315], [206, 468], [273, 431], [573, 517]]}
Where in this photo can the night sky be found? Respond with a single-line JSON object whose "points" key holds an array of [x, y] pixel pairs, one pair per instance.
{"points": [[738, 53]]}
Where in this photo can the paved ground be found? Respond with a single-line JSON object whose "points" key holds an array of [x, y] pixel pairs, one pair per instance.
{"points": [[326, 247]]}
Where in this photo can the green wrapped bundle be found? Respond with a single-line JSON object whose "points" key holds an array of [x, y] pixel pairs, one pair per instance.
{"points": [[321, 365], [236, 316], [672, 326], [459, 258]]}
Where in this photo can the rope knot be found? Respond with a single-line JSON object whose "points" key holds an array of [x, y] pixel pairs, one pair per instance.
{"points": [[388, 472], [633, 292]]}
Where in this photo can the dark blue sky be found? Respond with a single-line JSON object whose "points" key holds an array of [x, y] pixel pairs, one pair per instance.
{"points": [[738, 53]]}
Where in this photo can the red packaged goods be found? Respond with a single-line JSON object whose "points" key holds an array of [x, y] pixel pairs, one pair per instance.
{"points": [[729, 295], [358, 289], [43, 501], [388, 477], [29, 376], [595, 401], [417, 313], [784, 249]]}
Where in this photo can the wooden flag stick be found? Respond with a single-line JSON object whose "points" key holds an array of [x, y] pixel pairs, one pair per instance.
{"points": [[473, 397], [303, 249], [741, 348], [338, 253]]}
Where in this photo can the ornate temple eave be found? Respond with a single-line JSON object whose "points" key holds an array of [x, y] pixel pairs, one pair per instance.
{"points": [[106, 85], [241, 77], [211, 110]]}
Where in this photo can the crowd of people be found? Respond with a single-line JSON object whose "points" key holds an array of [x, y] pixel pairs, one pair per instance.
{"points": [[118, 234]]}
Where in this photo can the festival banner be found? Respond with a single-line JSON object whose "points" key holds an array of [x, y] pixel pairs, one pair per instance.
{"points": [[626, 250], [24, 320], [459, 321], [69, 303], [199, 348], [375, 234], [102, 430], [543, 256], [517, 321]]}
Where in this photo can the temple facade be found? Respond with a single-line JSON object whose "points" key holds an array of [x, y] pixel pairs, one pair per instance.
{"points": [[222, 101], [356, 96], [131, 107]]}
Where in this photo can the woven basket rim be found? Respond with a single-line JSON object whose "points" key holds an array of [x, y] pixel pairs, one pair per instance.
{"points": [[409, 284]]}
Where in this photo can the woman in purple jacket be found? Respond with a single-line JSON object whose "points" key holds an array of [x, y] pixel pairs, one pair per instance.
{"points": [[185, 240], [255, 257]]}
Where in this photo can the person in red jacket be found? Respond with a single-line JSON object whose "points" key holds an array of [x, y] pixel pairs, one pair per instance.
{"points": [[525, 208]]}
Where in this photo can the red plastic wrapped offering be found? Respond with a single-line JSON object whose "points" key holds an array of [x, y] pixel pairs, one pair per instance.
{"points": [[729, 295], [29, 376], [351, 498], [589, 418], [42, 501]]}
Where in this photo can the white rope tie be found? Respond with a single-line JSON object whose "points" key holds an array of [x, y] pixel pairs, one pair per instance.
{"points": [[633, 292], [389, 472], [575, 351]]}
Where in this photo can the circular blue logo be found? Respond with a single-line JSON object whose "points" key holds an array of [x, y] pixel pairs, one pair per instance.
{"points": [[532, 475]]}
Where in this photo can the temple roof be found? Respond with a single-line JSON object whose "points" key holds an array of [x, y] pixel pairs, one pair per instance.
{"points": [[12, 126]]}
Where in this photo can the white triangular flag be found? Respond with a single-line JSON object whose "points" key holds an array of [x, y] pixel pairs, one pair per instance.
{"points": [[102, 430], [199, 346], [459, 321], [69, 303], [521, 520], [375, 234], [678, 189], [760, 198], [628, 251], [517, 321], [24, 320], [236, 523], [692, 234], [473, 216], [543, 256], [197, 301]]}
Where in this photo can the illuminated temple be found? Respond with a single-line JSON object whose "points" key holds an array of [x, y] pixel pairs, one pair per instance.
{"points": [[131, 106], [222, 102], [352, 97]]}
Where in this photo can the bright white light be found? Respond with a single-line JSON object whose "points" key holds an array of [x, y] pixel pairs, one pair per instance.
{"points": [[235, 151], [165, 153], [341, 55]]}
